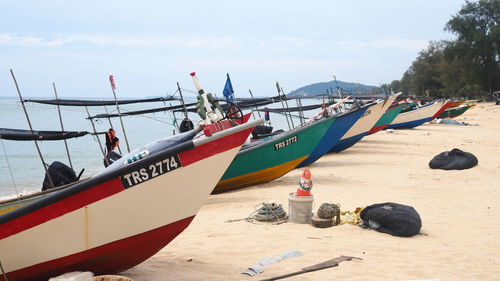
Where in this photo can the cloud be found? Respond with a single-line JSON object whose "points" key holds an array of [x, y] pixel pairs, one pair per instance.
{"points": [[277, 43]]}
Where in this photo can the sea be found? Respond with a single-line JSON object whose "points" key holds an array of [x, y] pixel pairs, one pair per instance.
{"points": [[21, 169]]}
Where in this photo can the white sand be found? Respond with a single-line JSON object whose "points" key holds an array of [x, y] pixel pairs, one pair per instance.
{"points": [[460, 213]]}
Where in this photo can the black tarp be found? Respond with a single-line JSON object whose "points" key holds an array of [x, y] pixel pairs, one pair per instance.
{"points": [[27, 135], [392, 218], [72, 102], [138, 112]]}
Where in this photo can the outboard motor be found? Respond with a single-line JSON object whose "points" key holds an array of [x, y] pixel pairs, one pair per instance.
{"points": [[186, 125], [261, 130], [111, 157], [60, 174]]}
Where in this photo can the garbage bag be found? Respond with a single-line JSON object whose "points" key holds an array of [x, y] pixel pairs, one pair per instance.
{"points": [[455, 159], [392, 218]]}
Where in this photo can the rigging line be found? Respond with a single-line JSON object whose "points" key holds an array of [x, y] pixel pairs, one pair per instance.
{"points": [[10, 168]]}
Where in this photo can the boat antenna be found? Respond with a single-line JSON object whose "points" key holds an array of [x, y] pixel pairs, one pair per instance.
{"points": [[338, 90], [31, 129], [258, 112], [113, 87], [287, 107], [62, 126], [111, 126], [282, 104], [10, 168], [182, 101], [97, 136]]}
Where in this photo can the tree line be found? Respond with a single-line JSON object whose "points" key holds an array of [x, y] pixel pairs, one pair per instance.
{"points": [[468, 66]]}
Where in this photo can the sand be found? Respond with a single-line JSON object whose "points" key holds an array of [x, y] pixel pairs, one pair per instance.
{"points": [[460, 211]]}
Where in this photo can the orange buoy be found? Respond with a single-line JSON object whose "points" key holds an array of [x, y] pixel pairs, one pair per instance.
{"points": [[305, 184]]}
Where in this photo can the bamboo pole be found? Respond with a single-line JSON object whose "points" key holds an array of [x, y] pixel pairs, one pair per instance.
{"points": [[182, 101], [112, 83], [282, 104], [97, 136], [258, 112], [31, 128], [62, 126]]}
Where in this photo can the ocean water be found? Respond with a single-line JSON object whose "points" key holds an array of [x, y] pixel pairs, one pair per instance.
{"points": [[26, 166]]}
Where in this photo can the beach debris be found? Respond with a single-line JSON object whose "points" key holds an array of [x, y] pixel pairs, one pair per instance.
{"points": [[449, 121], [263, 263], [110, 278], [325, 214], [300, 203], [455, 159], [266, 212], [351, 217], [324, 265], [73, 276], [392, 218]]}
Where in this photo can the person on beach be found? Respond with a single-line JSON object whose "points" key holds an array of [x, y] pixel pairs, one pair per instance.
{"points": [[112, 141]]}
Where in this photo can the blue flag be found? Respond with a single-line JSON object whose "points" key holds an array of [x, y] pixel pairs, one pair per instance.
{"points": [[228, 90]]}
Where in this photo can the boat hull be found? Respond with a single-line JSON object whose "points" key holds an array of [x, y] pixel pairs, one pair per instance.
{"points": [[364, 124], [454, 112], [272, 158], [115, 220], [416, 117], [386, 119], [343, 123]]}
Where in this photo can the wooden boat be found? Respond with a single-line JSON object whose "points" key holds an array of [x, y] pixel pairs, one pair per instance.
{"points": [[387, 118], [268, 159], [455, 111], [343, 123], [92, 226], [418, 116], [364, 124]]}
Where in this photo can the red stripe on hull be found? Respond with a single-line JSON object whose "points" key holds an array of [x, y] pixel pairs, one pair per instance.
{"points": [[214, 147], [111, 258], [443, 108], [61, 207], [378, 128]]}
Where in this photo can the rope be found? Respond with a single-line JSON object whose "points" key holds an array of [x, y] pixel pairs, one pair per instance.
{"points": [[266, 212], [10, 169]]}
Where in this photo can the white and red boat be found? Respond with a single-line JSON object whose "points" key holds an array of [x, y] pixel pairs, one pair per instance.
{"points": [[123, 215], [419, 115]]}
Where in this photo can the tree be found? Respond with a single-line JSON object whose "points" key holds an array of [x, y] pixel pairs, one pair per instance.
{"points": [[477, 26]]}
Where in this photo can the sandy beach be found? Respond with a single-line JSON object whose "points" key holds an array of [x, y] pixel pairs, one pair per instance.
{"points": [[459, 240]]}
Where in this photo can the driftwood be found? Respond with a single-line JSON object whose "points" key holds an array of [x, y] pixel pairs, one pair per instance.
{"points": [[327, 264]]}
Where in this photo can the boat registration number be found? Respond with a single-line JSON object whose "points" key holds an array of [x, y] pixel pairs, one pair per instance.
{"points": [[151, 171], [285, 143]]}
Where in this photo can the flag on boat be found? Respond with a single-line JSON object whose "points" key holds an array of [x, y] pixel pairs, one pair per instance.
{"points": [[112, 81], [228, 90]]}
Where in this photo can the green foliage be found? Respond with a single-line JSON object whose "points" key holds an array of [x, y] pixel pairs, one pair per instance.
{"points": [[467, 66]]}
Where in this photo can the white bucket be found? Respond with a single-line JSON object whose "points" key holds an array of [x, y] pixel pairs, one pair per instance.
{"points": [[300, 208]]}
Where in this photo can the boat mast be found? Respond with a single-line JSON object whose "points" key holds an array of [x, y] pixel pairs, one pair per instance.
{"points": [[31, 128], [283, 105], [112, 83], [258, 112], [97, 136], [62, 126], [182, 101]]}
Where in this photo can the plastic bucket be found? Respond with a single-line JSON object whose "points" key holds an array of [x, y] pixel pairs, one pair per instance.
{"points": [[300, 208]]}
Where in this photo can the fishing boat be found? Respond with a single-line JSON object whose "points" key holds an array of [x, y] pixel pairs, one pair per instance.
{"points": [[418, 116], [364, 124], [268, 159], [387, 117], [125, 214], [343, 123], [455, 111]]}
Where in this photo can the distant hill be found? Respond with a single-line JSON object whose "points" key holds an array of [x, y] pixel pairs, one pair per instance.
{"points": [[320, 88]]}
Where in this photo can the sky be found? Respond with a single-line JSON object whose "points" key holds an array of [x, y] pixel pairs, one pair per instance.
{"points": [[150, 45]]}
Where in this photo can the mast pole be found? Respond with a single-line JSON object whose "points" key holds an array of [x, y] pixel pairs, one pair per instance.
{"points": [[182, 101], [258, 112], [31, 129], [62, 126], [112, 83], [282, 104], [96, 135], [287, 108], [111, 126]]}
